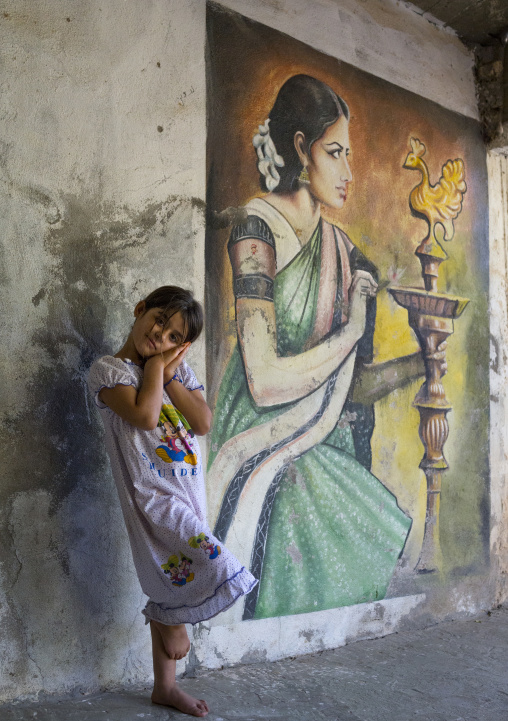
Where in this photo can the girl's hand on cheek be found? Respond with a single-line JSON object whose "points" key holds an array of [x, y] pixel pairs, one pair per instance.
{"points": [[173, 358]]}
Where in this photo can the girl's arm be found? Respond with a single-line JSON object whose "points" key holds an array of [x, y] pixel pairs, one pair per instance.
{"points": [[142, 408], [274, 379], [192, 405]]}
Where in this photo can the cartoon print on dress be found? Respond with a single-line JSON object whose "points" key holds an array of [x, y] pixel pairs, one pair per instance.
{"points": [[177, 433], [203, 542], [178, 570]]}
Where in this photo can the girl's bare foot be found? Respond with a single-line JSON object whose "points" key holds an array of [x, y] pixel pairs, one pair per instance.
{"points": [[180, 700], [168, 644], [175, 639]]}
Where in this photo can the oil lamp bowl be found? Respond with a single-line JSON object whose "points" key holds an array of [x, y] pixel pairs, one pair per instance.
{"points": [[428, 303]]}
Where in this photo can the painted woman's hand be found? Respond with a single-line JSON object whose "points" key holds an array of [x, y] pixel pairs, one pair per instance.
{"points": [[363, 286], [440, 355]]}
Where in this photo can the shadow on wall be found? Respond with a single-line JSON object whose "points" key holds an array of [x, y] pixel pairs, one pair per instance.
{"points": [[68, 568]]}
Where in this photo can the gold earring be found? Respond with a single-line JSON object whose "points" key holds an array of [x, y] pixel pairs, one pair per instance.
{"points": [[304, 176]]}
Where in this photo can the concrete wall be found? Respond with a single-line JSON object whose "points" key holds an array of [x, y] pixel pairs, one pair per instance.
{"points": [[498, 221], [102, 147], [103, 183]]}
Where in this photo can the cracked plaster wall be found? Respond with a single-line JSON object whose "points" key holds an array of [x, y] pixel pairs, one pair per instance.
{"points": [[102, 198], [497, 164]]}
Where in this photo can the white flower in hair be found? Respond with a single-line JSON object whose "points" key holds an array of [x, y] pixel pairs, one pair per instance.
{"points": [[269, 159]]}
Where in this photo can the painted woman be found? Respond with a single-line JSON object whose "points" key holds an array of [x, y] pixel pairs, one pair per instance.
{"points": [[292, 493]]}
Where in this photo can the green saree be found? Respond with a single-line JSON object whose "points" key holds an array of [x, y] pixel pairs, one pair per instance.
{"points": [[330, 532]]}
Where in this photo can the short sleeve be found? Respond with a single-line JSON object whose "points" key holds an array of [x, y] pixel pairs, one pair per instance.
{"points": [[187, 376], [108, 372], [252, 253]]}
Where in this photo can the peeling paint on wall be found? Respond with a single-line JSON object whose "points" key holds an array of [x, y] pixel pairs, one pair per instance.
{"points": [[96, 206]]}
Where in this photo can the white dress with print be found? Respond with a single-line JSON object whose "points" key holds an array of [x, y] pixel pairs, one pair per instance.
{"points": [[186, 574]]}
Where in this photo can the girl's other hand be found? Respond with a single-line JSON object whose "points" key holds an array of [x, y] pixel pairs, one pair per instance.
{"points": [[172, 359]]}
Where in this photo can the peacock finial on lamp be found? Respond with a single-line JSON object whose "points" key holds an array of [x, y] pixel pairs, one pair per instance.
{"points": [[438, 204], [431, 315]]}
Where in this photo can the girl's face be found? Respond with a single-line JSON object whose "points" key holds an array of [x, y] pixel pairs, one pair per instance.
{"points": [[152, 333], [328, 165]]}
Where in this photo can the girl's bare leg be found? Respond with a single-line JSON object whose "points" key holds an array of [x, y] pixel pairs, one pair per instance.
{"points": [[165, 689], [175, 639]]}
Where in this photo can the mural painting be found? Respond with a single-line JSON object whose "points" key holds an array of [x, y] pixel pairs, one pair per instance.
{"points": [[313, 478]]}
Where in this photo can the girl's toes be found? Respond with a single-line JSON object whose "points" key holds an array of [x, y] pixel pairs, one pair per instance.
{"points": [[201, 707]]}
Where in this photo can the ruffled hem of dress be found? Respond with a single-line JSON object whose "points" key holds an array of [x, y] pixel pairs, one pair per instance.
{"points": [[223, 597]]}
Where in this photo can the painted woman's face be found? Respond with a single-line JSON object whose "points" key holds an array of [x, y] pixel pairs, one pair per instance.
{"points": [[328, 165]]}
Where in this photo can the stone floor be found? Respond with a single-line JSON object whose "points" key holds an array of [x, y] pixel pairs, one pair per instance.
{"points": [[455, 671]]}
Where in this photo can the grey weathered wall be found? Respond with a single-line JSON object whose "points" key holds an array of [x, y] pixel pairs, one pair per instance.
{"points": [[102, 147], [497, 164], [102, 160]]}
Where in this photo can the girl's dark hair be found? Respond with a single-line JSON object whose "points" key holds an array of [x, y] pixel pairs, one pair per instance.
{"points": [[307, 105], [171, 299]]}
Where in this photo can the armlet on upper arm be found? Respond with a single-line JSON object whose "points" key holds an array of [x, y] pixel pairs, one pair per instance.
{"points": [[252, 254]]}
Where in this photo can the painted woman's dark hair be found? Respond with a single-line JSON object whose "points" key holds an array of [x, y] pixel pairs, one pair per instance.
{"points": [[172, 299], [307, 105]]}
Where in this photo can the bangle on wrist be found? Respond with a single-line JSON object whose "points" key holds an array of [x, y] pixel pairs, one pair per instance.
{"points": [[175, 377]]}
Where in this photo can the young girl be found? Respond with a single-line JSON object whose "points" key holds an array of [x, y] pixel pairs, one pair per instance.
{"points": [[151, 406]]}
